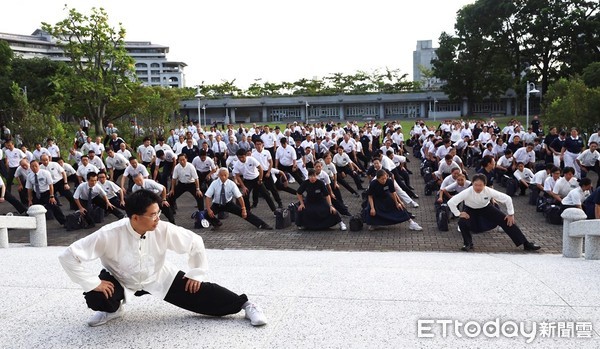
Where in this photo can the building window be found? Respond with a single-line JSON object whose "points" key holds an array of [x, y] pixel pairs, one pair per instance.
{"points": [[362, 110], [141, 65], [154, 79], [447, 107], [323, 111], [155, 65], [489, 107], [402, 109], [141, 72], [155, 72], [279, 113], [144, 79]]}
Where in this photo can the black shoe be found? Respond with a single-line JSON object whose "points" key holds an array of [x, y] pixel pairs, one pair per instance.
{"points": [[531, 246], [411, 187], [409, 171], [265, 227], [254, 205], [467, 248], [415, 196]]}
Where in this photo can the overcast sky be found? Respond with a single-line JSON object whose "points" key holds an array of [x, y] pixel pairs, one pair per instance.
{"points": [[275, 41]]}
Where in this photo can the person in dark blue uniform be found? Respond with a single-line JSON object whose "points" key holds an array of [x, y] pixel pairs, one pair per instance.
{"points": [[570, 151], [316, 212], [487, 169]]}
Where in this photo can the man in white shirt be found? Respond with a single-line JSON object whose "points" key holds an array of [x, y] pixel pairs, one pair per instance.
{"points": [[84, 168], [248, 174], [285, 160], [220, 197], [220, 149], [114, 193], [91, 192], [481, 215], [11, 159], [97, 147], [266, 162], [116, 164], [269, 140], [40, 191], [345, 167], [549, 184], [96, 160], [130, 172], [566, 183], [133, 255], [158, 189], [576, 196], [185, 179], [59, 179], [205, 167], [52, 149], [524, 176], [588, 161], [526, 155], [146, 152]]}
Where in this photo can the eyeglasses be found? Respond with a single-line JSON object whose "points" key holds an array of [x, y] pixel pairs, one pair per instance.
{"points": [[154, 216]]}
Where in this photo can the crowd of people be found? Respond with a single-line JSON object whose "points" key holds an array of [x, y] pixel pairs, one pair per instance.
{"points": [[552, 169]]}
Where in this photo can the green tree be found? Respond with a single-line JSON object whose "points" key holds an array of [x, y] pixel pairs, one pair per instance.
{"points": [[6, 57], [102, 68], [569, 102], [591, 75]]}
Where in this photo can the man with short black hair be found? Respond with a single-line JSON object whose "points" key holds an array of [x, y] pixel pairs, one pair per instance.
{"points": [[133, 254], [185, 179], [40, 191]]}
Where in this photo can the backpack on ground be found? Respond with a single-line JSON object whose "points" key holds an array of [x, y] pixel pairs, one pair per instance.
{"points": [[97, 214], [282, 218], [552, 214], [75, 221], [533, 194], [511, 186], [200, 219], [355, 223], [541, 204], [293, 208], [430, 187], [442, 215]]}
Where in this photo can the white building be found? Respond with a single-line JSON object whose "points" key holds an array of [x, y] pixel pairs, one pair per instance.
{"points": [[152, 66], [422, 58]]}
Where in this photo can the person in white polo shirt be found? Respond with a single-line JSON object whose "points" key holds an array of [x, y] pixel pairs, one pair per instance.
{"points": [[524, 176], [59, 179], [526, 155], [220, 197], [265, 159], [116, 164], [588, 161], [40, 191], [131, 171], [480, 214], [285, 160], [158, 189], [185, 179], [577, 196], [84, 168], [566, 183], [91, 192], [146, 152], [249, 177], [12, 158]]}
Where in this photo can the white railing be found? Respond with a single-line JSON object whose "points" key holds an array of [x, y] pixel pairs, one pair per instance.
{"points": [[35, 223], [575, 228]]}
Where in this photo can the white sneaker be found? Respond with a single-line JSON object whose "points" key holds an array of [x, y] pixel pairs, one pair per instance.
{"points": [[255, 315], [415, 204], [343, 226], [292, 180], [458, 228], [102, 317], [414, 226]]}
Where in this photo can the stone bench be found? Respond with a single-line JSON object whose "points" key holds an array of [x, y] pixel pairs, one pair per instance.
{"points": [[575, 228], [35, 223]]}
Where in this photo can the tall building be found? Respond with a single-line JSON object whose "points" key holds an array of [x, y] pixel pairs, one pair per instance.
{"points": [[152, 66], [422, 58]]}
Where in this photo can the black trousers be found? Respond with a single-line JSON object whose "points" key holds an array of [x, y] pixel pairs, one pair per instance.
{"points": [[117, 174], [493, 217], [164, 177], [10, 177], [181, 188], [281, 186], [595, 168], [295, 173], [253, 186], [16, 203], [211, 299], [270, 185], [220, 159], [45, 200], [59, 187], [231, 207], [348, 171], [98, 201]]}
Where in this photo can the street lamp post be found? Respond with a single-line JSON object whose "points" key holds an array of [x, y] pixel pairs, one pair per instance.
{"points": [[199, 96], [204, 109], [530, 90], [306, 105], [434, 103]]}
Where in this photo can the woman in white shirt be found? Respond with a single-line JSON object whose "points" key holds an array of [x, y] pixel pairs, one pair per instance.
{"points": [[481, 215]]}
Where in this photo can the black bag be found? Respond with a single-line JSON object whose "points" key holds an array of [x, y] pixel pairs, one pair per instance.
{"points": [[442, 217], [511, 186], [552, 214], [533, 195], [97, 214], [430, 187], [293, 208], [541, 204], [364, 195], [282, 218], [355, 223], [75, 221]]}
